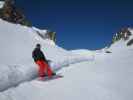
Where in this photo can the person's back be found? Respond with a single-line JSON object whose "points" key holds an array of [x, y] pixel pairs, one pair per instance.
{"points": [[37, 54]]}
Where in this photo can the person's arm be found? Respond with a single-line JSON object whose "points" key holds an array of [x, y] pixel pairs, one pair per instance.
{"points": [[43, 56]]}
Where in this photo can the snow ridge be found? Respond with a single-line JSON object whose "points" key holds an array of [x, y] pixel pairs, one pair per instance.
{"points": [[11, 76]]}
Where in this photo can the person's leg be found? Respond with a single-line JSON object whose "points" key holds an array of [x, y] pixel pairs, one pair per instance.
{"points": [[41, 68], [48, 69]]}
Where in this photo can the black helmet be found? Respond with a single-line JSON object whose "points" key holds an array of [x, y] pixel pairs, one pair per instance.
{"points": [[38, 45]]}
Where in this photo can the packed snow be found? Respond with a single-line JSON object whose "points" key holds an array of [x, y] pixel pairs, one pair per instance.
{"points": [[87, 75]]}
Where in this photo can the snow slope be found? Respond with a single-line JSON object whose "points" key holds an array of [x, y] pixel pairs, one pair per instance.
{"points": [[108, 77], [17, 43], [103, 76]]}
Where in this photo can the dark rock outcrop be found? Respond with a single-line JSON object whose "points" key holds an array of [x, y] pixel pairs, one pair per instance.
{"points": [[123, 34], [11, 13], [130, 42]]}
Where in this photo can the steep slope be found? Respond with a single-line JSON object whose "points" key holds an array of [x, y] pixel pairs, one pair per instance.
{"points": [[104, 76], [17, 43], [108, 77]]}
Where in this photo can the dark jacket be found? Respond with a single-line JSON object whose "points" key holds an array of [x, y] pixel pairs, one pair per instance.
{"points": [[37, 54]]}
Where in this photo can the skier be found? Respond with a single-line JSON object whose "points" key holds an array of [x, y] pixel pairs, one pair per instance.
{"points": [[43, 67]]}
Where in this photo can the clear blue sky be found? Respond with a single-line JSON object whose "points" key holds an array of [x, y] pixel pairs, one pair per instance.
{"points": [[88, 24]]}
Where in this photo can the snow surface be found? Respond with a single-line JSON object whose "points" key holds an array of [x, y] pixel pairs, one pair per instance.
{"points": [[1, 4], [108, 77], [102, 76], [17, 43]]}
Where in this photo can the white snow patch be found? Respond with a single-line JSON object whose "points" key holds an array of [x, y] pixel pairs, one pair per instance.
{"points": [[2, 4]]}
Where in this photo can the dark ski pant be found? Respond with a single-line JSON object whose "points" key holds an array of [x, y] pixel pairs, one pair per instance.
{"points": [[43, 68]]}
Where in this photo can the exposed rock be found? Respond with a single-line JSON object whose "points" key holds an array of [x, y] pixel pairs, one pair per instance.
{"points": [[10, 13], [52, 35], [108, 51], [130, 42], [124, 34]]}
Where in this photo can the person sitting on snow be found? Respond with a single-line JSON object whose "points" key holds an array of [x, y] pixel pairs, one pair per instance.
{"points": [[43, 67]]}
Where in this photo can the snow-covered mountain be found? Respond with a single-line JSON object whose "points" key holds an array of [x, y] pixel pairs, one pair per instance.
{"points": [[17, 43], [87, 75], [125, 34]]}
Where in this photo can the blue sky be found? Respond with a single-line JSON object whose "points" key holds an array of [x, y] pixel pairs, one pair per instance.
{"points": [[80, 23]]}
